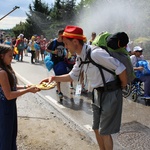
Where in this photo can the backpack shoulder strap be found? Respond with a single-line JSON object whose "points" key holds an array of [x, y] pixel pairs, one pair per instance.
{"points": [[97, 65], [100, 67]]}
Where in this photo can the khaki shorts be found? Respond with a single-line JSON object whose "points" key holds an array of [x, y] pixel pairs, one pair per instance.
{"points": [[107, 117]]}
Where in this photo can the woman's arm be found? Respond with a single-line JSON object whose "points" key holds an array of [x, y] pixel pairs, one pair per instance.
{"points": [[4, 82]]}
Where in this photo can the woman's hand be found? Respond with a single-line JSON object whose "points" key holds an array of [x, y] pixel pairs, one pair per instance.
{"points": [[33, 89]]}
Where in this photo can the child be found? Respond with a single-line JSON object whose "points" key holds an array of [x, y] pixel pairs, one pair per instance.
{"points": [[9, 91]]}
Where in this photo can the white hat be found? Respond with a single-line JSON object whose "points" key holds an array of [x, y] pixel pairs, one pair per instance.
{"points": [[21, 35], [137, 48]]}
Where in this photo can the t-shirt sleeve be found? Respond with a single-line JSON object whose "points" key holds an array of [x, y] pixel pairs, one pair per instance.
{"points": [[50, 46], [109, 62]]}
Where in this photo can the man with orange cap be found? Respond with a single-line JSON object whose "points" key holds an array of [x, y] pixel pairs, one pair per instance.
{"points": [[107, 104]]}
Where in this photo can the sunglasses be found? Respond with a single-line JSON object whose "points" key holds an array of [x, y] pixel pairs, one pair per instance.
{"points": [[139, 51]]}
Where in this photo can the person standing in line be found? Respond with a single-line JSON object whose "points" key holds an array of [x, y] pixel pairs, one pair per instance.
{"points": [[37, 49], [32, 49], [25, 46], [20, 46], [43, 43], [9, 91], [8, 41], [57, 49], [107, 104]]}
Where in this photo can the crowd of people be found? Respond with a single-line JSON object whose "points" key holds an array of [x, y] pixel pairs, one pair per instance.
{"points": [[36, 45], [70, 47]]}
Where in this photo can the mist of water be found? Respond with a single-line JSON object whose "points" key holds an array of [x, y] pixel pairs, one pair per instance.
{"points": [[111, 16]]}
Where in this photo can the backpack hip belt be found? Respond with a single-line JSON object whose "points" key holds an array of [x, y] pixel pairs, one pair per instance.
{"points": [[110, 86]]}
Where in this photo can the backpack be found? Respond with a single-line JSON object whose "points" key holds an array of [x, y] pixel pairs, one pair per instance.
{"points": [[48, 58], [121, 54], [20, 45]]}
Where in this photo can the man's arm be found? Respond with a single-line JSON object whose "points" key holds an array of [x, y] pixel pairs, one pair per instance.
{"points": [[123, 78], [62, 78]]}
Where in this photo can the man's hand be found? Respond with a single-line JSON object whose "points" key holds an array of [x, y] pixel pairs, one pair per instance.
{"points": [[123, 78], [51, 79], [45, 80], [55, 52], [48, 80]]}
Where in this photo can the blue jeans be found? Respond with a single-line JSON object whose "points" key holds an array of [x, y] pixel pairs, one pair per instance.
{"points": [[146, 80]]}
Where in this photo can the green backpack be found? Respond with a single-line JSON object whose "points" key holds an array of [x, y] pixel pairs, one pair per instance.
{"points": [[121, 54]]}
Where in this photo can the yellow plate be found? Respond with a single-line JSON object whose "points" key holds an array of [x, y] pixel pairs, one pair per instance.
{"points": [[46, 86]]}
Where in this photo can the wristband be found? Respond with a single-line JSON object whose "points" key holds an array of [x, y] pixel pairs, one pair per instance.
{"points": [[25, 86]]}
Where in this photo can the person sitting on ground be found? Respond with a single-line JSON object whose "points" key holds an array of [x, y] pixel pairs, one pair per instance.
{"points": [[137, 56]]}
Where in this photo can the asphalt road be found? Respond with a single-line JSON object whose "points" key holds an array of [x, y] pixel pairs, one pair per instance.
{"points": [[77, 109]]}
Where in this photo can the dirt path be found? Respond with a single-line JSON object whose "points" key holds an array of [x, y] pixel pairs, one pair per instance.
{"points": [[40, 127]]}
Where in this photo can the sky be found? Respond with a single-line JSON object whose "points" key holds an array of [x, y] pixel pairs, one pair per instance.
{"points": [[18, 15]]}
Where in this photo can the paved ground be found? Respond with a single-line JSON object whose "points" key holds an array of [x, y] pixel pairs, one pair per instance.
{"points": [[41, 127], [135, 129]]}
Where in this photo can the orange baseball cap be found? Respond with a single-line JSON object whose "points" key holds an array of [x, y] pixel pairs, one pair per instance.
{"points": [[74, 32]]}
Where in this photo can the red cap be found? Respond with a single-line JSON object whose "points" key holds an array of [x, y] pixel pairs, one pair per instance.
{"points": [[73, 32]]}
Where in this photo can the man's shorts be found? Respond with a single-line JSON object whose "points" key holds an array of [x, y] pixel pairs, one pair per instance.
{"points": [[107, 117]]}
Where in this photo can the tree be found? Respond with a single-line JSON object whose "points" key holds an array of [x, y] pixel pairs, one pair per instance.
{"points": [[36, 20], [61, 15], [91, 15]]}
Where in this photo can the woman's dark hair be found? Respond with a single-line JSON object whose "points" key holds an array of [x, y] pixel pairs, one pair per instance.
{"points": [[11, 75]]}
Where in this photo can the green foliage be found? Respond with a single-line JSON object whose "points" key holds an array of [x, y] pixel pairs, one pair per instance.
{"points": [[34, 23]]}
